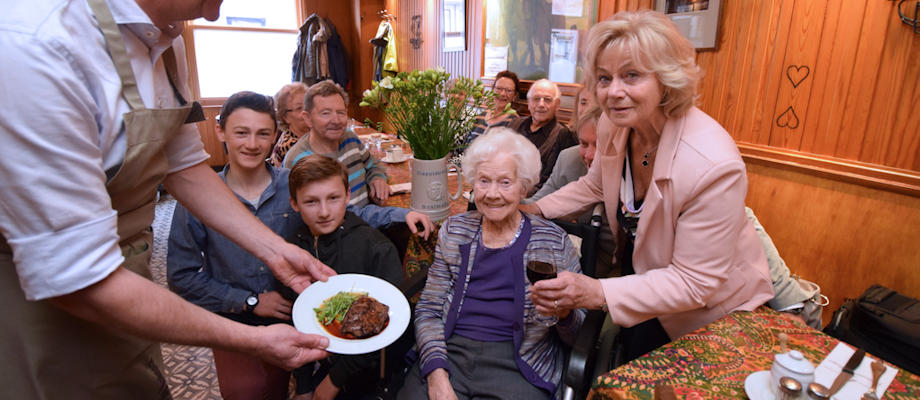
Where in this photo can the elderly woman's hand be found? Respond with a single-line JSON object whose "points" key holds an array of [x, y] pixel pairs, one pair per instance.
{"points": [[439, 386], [568, 291]]}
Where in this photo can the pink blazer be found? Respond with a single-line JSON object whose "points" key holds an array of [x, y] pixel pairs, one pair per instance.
{"points": [[697, 257]]}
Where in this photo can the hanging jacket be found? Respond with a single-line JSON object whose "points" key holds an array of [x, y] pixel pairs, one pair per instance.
{"points": [[380, 42], [310, 63], [338, 67]]}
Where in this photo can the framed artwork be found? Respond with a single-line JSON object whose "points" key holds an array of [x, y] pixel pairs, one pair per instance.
{"points": [[698, 20], [453, 26], [537, 38]]}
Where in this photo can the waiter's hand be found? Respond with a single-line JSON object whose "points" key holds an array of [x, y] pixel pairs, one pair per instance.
{"points": [[379, 190], [296, 268], [284, 346]]}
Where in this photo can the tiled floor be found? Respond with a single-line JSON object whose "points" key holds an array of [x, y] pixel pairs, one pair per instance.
{"points": [[189, 370]]}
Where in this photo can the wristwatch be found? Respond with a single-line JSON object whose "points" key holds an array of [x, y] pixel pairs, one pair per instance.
{"points": [[252, 301]]}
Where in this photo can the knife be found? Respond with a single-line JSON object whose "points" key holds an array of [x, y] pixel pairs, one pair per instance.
{"points": [[847, 371]]}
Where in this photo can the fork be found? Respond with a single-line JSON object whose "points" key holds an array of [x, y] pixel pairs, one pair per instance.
{"points": [[877, 369]]}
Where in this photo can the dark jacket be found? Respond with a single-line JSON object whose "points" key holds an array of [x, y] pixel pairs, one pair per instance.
{"points": [[354, 248], [550, 139]]}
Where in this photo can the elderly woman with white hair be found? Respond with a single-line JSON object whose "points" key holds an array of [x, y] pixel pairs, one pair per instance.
{"points": [[478, 333]]}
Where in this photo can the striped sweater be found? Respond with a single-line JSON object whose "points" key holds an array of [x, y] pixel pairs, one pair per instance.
{"points": [[361, 166], [540, 354]]}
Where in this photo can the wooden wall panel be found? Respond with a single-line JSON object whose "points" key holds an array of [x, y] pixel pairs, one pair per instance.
{"points": [[843, 236], [206, 129], [858, 99]]}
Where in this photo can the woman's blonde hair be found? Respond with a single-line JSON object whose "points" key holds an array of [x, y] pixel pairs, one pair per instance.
{"points": [[656, 46]]}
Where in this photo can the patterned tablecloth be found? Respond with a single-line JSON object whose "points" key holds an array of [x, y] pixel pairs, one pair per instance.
{"points": [[713, 362], [419, 252]]}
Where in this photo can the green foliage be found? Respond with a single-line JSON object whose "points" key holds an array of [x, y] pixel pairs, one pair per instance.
{"points": [[428, 113], [335, 307]]}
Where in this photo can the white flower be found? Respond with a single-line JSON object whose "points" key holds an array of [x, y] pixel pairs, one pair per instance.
{"points": [[386, 83], [368, 93], [440, 69]]}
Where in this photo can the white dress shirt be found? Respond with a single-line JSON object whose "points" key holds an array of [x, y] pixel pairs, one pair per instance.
{"points": [[61, 129]]}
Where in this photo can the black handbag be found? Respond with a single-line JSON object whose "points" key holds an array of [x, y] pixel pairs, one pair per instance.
{"points": [[884, 323]]}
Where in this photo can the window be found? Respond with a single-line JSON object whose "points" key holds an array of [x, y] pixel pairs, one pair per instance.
{"points": [[250, 47]]}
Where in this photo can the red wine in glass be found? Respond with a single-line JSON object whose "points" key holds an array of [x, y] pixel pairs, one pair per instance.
{"points": [[539, 270]]}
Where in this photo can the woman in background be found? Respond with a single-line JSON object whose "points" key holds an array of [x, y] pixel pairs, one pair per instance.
{"points": [[289, 101], [505, 87]]}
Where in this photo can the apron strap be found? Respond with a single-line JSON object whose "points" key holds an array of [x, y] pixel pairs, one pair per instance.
{"points": [[118, 52]]}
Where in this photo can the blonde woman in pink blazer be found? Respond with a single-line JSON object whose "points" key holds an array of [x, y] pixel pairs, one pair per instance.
{"points": [[676, 183]]}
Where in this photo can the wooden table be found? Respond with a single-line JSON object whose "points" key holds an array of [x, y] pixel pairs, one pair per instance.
{"points": [[713, 362]]}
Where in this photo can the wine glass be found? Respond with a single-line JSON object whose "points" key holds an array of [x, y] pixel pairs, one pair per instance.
{"points": [[539, 270]]}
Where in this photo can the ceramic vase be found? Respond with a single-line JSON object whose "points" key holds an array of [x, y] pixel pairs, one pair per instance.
{"points": [[430, 194]]}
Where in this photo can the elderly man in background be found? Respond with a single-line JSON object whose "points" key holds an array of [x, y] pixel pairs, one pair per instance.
{"points": [[542, 128], [326, 115]]}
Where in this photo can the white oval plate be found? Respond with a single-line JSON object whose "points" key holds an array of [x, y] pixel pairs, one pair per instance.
{"points": [[305, 318], [757, 386]]}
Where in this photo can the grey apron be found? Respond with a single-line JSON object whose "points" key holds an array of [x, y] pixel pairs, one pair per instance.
{"points": [[49, 354]]}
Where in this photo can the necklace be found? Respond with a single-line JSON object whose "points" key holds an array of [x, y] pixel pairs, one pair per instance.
{"points": [[647, 153]]}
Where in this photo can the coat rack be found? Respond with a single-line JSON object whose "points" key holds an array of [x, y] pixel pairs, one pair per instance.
{"points": [[913, 22], [385, 15]]}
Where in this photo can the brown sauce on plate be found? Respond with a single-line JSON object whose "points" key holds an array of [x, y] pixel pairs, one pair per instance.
{"points": [[335, 329]]}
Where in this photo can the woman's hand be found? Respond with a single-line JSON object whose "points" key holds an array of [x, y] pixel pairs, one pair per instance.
{"points": [[439, 387], [273, 305], [531, 208], [566, 292], [326, 390]]}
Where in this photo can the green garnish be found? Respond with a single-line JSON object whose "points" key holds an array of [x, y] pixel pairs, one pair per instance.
{"points": [[335, 307]]}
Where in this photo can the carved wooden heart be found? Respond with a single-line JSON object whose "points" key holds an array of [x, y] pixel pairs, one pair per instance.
{"points": [[797, 74], [788, 119]]}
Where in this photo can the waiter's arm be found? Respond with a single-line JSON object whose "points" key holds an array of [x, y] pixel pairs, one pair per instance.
{"points": [[131, 303], [207, 197]]}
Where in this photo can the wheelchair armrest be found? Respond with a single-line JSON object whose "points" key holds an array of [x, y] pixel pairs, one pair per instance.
{"points": [[581, 361]]}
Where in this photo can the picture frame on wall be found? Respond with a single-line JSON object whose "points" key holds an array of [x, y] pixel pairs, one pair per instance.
{"points": [[698, 20]]}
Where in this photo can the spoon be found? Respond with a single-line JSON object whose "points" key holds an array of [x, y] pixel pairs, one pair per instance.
{"points": [[877, 369]]}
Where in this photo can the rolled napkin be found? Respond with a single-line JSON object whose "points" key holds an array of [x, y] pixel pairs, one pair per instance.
{"points": [[861, 381], [398, 188]]}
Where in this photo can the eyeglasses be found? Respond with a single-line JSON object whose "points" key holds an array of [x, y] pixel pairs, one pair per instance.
{"points": [[293, 109], [502, 90]]}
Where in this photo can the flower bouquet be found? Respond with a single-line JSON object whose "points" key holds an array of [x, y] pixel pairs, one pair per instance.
{"points": [[428, 110]]}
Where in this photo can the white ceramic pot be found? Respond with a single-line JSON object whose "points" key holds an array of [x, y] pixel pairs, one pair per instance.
{"points": [[794, 365], [429, 188]]}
